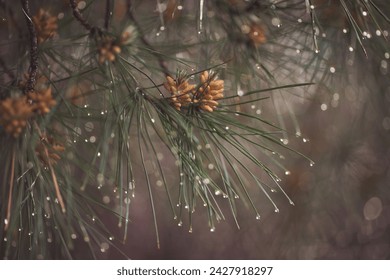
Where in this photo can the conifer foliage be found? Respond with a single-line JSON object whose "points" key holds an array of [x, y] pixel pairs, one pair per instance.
{"points": [[100, 98]]}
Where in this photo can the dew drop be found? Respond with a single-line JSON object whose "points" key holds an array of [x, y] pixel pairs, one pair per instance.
{"points": [[287, 172], [180, 224], [104, 247], [258, 217], [212, 229], [276, 210]]}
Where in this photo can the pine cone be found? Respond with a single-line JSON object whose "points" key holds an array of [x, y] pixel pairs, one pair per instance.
{"points": [[180, 91], [45, 25], [42, 101], [210, 91], [48, 150], [14, 114], [108, 49]]}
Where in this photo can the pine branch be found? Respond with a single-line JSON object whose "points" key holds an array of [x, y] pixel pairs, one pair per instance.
{"points": [[79, 17], [108, 15]]}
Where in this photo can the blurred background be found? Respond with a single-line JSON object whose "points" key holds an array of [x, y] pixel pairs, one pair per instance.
{"points": [[342, 202]]}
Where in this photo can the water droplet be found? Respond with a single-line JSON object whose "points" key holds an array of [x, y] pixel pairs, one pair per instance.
{"points": [[5, 221], [258, 217], [311, 163], [73, 236], [104, 247], [276, 210], [152, 120], [212, 229], [81, 5], [292, 202], [324, 107], [287, 172], [190, 230], [218, 192], [100, 179], [276, 22], [206, 181], [180, 224]]}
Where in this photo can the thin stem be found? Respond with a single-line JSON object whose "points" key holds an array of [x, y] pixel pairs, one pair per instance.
{"points": [[79, 16], [57, 188], [161, 62], [11, 187], [108, 15], [53, 174], [33, 49]]}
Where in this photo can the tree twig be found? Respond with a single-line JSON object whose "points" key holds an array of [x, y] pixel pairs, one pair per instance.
{"points": [[79, 16], [33, 49], [108, 15]]}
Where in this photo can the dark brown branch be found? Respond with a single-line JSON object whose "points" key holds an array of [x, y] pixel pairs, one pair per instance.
{"points": [[108, 15], [160, 60], [33, 49], [79, 16]]}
